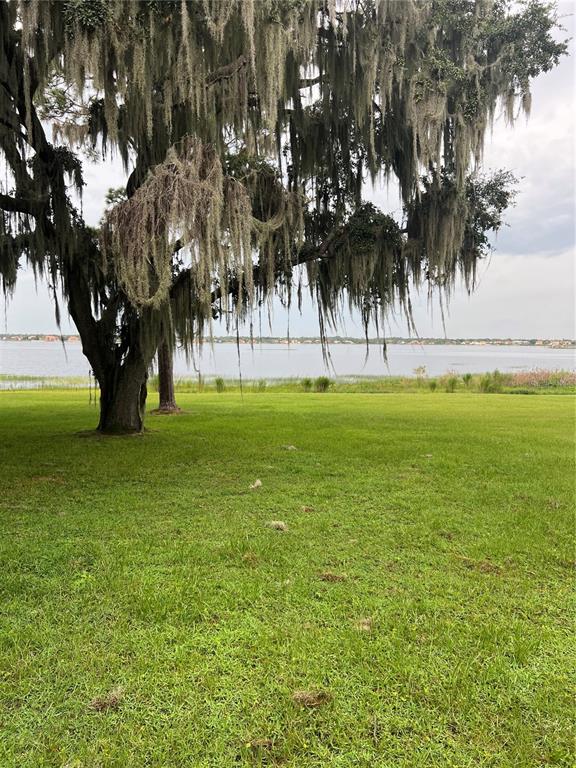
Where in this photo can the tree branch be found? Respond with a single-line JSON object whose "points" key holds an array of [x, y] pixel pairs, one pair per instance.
{"points": [[21, 205], [225, 73], [307, 82], [17, 242], [327, 249]]}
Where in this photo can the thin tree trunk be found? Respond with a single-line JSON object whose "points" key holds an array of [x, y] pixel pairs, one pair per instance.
{"points": [[167, 397]]}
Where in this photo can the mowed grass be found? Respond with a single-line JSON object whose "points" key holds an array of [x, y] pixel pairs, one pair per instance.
{"points": [[420, 596]]}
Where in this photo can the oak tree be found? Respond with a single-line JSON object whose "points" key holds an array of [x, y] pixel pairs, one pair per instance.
{"points": [[248, 130]]}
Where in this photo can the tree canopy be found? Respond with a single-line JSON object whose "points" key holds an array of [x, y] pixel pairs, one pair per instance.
{"points": [[249, 129]]}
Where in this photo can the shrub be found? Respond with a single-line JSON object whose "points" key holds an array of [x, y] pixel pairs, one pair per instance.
{"points": [[262, 384], [451, 383], [420, 373], [467, 379], [492, 382], [433, 384], [219, 382], [306, 384], [322, 384]]}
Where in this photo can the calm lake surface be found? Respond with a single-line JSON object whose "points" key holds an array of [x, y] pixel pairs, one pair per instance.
{"points": [[277, 361]]}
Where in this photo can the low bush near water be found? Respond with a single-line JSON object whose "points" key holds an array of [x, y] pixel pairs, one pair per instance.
{"points": [[539, 378], [322, 384], [492, 382], [451, 383]]}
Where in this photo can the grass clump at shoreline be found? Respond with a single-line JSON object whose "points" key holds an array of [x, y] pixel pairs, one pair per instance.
{"points": [[414, 611], [526, 382], [530, 382], [25, 381]]}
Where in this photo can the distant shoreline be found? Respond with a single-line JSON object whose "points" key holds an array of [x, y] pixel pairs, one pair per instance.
{"points": [[552, 343]]}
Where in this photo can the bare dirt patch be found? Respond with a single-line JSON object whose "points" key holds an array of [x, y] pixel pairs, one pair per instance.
{"points": [[331, 576], [110, 701], [482, 566], [250, 558], [311, 699], [261, 744], [364, 625], [277, 525]]}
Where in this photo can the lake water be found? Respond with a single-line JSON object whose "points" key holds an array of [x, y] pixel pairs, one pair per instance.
{"points": [[277, 361]]}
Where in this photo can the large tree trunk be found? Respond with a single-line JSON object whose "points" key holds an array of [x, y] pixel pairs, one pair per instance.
{"points": [[121, 371], [123, 398], [167, 398]]}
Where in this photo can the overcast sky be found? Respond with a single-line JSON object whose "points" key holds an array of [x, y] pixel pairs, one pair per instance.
{"points": [[526, 289]]}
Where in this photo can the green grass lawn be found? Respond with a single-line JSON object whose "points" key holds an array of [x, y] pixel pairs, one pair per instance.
{"points": [[420, 595]]}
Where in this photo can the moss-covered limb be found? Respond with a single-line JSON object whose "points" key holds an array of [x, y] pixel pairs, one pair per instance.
{"points": [[220, 215], [370, 260], [449, 229], [11, 141], [226, 72], [21, 205]]}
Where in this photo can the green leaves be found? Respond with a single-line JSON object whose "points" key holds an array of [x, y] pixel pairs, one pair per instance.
{"points": [[86, 15]]}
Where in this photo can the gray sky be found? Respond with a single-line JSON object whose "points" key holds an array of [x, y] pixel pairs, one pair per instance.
{"points": [[526, 289]]}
